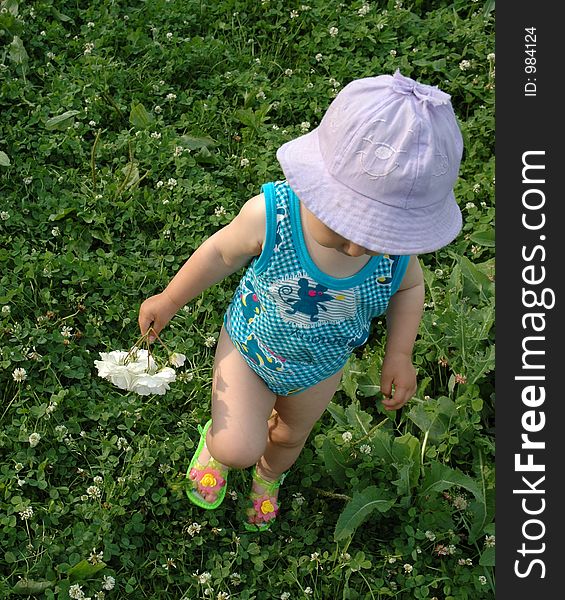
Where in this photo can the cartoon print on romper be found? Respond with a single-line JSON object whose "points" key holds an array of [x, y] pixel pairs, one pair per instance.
{"points": [[258, 356], [306, 303], [250, 302]]}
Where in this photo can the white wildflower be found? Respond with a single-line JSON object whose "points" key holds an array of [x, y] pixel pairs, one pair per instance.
{"points": [[392, 52], [365, 449], [210, 341], [4, 215], [222, 596], [260, 95], [171, 183], [19, 375], [491, 56], [299, 498], [94, 491], [464, 65], [203, 578], [288, 72], [55, 232], [28, 180], [95, 557], [33, 439], [308, 591], [219, 211], [293, 14], [490, 541], [364, 9], [244, 162], [333, 31], [346, 436], [319, 57], [75, 592], [408, 568], [156, 135], [108, 583], [177, 359], [26, 513], [482, 580], [157, 109], [304, 126], [170, 97], [66, 331], [193, 529]]}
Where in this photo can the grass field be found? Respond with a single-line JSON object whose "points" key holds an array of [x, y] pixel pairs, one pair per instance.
{"points": [[130, 132]]}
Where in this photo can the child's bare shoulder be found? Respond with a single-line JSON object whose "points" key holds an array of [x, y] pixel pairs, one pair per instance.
{"points": [[249, 226]]}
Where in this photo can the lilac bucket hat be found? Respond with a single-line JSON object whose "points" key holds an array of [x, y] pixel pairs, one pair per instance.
{"points": [[381, 166]]}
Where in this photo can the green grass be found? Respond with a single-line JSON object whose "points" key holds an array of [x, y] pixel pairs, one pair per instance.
{"points": [[129, 133]]}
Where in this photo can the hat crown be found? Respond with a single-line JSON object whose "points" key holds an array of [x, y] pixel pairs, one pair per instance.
{"points": [[393, 140]]}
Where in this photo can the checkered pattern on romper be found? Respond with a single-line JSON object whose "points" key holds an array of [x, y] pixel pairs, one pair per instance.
{"points": [[292, 330]]}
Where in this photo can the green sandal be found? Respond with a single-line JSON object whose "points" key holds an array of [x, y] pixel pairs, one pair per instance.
{"points": [[265, 506], [208, 478]]}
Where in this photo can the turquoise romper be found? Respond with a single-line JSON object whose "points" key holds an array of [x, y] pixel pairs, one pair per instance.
{"points": [[293, 324]]}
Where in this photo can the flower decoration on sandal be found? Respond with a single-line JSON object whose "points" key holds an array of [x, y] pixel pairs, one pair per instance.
{"points": [[264, 504]]}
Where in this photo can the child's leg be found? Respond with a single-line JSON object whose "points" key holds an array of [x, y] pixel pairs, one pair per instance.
{"points": [[241, 406], [289, 429]]}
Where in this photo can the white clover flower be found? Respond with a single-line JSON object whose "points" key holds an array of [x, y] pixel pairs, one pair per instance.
{"points": [[92, 123], [260, 95], [482, 580], [299, 498], [90, 24], [365, 449], [430, 535], [157, 109], [464, 65], [170, 97], [66, 331], [33, 439], [26, 513], [193, 529], [88, 48], [155, 135], [6, 310], [95, 557], [108, 583], [308, 591], [159, 184], [75, 592], [219, 211], [288, 72], [177, 359], [364, 9], [346, 436], [169, 35], [392, 52], [293, 14], [491, 56], [98, 480], [285, 596], [334, 83], [4, 215], [171, 183], [28, 180], [244, 162], [469, 206], [222, 596], [408, 568], [55, 232], [304, 126], [333, 31], [490, 541], [203, 578], [93, 491], [319, 57], [315, 556], [178, 151], [210, 341], [18, 467]]}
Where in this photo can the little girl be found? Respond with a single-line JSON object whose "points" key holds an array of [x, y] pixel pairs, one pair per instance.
{"points": [[329, 249]]}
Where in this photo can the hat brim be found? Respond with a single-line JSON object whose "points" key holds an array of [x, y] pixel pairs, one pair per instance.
{"points": [[365, 221]]}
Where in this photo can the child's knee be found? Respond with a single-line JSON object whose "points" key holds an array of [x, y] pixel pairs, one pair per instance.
{"points": [[236, 449]]}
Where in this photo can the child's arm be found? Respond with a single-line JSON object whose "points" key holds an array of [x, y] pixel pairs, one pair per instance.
{"points": [[219, 256], [403, 319]]}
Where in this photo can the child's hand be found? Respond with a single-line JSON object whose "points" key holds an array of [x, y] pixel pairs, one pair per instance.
{"points": [[156, 312], [397, 370]]}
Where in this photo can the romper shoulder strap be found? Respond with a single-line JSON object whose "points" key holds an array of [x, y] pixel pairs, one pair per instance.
{"points": [[399, 265], [268, 190]]}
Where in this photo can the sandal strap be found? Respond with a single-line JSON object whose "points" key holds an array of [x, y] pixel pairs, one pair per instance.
{"points": [[268, 486]]}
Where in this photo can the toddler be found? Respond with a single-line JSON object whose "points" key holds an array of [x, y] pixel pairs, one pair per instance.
{"points": [[328, 249]]}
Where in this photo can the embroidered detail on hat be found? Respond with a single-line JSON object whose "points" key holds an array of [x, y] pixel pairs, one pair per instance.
{"points": [[376, 159], [442, 164]]}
